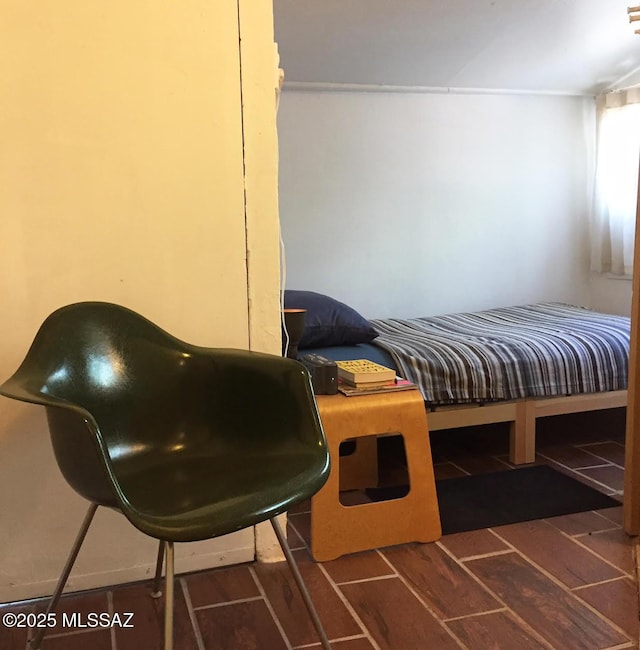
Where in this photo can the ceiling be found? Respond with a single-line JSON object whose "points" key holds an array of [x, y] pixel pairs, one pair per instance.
{"points": [[559, 46]]}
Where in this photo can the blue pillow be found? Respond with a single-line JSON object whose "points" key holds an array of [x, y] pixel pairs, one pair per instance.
{"points": [[328, 321]]}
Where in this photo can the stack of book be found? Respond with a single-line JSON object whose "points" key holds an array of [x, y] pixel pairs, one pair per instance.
{"points": [[363, 377]]}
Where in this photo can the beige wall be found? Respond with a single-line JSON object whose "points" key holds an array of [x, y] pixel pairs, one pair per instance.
{"points": [[121, 179]]}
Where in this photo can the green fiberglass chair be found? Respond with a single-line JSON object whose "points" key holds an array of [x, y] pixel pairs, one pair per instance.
{"points": [[189, 443]]}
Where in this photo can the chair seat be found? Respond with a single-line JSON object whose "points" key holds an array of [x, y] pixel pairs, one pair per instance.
{"points": [[195, 498]]}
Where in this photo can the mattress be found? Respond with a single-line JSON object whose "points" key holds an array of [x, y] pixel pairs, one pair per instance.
{"points": [[538, 350]]}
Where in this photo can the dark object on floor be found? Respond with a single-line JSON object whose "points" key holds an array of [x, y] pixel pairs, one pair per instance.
{"points": [[189, 443], [500, 498]]}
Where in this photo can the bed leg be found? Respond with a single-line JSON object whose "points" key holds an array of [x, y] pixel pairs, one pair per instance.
{"points": [[522, 434]]}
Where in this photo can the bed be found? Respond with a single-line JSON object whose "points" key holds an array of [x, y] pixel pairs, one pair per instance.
{"points": [[512, 364]]}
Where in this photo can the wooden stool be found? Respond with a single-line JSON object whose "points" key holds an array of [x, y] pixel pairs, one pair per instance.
{"points": [[337, 529]]}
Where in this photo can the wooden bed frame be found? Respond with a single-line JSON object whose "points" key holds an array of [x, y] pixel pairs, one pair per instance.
{"points": [[522, 415], [359, 466]]}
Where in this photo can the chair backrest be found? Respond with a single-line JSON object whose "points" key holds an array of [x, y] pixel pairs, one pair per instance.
{"points": [[87, 352], [109, 361], [120, 391]]}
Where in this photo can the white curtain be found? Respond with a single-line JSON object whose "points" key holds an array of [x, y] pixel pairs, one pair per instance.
{"points": [[616, 182]]}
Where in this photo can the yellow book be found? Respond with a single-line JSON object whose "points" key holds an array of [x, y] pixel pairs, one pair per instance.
{"points": [[361, 371]]}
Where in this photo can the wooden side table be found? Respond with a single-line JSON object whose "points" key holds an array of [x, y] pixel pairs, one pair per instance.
{"points": [[337, 529]]}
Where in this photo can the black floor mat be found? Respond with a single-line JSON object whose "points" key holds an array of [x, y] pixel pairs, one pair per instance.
{"points": [[509, 497]]}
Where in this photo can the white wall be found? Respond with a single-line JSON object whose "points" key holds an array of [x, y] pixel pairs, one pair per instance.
{"points": [[419, 204], [611, 294]]}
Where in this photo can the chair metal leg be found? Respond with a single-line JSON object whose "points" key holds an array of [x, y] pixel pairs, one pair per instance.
{"points": [[168, 602], [35, 642], [301, 586], [156, 592]]}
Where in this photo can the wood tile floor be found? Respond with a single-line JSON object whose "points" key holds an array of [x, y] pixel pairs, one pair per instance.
{"points": [[566, 583]]}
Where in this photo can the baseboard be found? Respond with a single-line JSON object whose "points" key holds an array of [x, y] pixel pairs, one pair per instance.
{"points": [[83, 582]]}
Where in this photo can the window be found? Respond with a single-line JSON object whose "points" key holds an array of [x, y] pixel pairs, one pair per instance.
{"points": [[616, 183]]}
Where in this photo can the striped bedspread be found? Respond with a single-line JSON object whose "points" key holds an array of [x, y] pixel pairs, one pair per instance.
{"points": [[545, 349]]}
